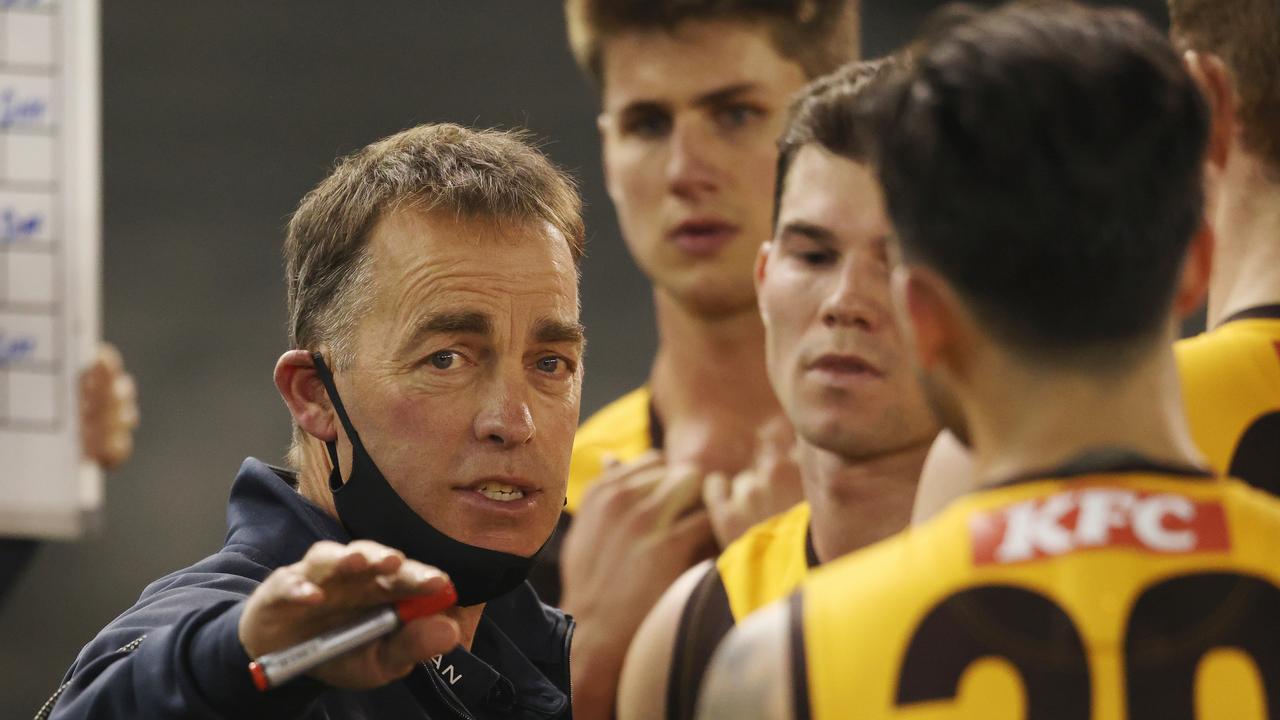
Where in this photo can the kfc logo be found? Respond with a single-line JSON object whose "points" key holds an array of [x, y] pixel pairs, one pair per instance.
{"points": [[1091, 518]]}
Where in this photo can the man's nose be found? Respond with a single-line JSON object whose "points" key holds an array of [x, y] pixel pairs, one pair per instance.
{"points": [[850, 302], [691, 172], [504, 418]]}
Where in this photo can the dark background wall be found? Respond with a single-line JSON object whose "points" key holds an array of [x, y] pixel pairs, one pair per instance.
{"points": [[218, 116]]}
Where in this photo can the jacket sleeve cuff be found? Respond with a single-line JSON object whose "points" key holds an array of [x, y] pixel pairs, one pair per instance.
{"points": [[221, 673]]}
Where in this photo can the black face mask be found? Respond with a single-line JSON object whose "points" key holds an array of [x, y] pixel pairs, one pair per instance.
{"points": [[371, 509]]}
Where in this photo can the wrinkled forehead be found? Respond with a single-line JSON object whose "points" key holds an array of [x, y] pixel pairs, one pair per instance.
{"points": [[440, 256]]}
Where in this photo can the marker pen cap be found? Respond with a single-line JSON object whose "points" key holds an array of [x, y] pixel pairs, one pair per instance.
{"points": [[259, 674], [424, 605]]}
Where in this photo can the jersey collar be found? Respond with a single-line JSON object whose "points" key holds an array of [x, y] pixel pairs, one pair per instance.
{"points": [[1109, 460], [1257, 312]]}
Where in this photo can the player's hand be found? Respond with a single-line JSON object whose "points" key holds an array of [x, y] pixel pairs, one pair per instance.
{"points": [[336, 584], [108, 409], [770, 486], [638, 528]]}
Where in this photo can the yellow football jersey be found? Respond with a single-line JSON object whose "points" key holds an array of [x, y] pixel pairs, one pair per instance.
{"points": [[765, 564], [625, 428], [768, 562], [1231, 385], [1133, 592]]}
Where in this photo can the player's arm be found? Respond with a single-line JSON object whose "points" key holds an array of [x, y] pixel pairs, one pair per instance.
{"points": [[751, 674], [646, 674]]}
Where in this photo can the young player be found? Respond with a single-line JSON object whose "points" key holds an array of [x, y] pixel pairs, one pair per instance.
{"points": [[1042, 166], [693, 97], [837, 364]]}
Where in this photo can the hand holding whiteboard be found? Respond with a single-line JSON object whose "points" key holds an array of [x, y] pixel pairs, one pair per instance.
{"points": [[49, 259]]}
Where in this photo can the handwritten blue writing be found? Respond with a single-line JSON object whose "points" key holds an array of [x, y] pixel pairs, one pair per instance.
{"points": [[15, 110], [10, 4], [15, 348], [15, 226]]}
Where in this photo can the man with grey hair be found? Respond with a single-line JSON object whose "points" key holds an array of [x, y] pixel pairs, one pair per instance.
{"points": [[433, 305]]}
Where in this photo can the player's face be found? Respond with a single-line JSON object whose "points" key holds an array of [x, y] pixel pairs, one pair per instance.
{"points": [[836, 360], [688, 129], [467, 380]]}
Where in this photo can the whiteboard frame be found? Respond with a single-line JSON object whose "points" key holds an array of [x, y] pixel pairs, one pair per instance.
{"points": [[79, 163]]}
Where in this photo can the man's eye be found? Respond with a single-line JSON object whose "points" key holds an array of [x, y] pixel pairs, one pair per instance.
{"points": [[736, 116], [817, 257], [647, 125], [443, 360], [550, 364]]}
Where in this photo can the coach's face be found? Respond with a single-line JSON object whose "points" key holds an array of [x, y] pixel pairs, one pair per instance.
{"points": [[688, 129], [467, 377], [835, 358]]}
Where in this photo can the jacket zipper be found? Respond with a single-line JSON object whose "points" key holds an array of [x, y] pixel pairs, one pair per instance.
{"points": [[568, 653], [47, 709]]}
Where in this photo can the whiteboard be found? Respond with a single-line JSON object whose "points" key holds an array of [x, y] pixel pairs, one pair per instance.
{"points": [[50, 210]]}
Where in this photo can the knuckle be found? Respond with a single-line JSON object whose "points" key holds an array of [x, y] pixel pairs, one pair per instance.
{"points": [[366, 547], [642, 519], [617, 501], [321, 550], [600, 492]]}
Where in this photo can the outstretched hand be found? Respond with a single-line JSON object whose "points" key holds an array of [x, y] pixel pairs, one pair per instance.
{"points": [[335, 584]]}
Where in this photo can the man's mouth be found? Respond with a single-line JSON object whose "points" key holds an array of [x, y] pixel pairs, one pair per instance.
{"points": [[500, 491], [702, 237], [846, 365], [504, 489]]}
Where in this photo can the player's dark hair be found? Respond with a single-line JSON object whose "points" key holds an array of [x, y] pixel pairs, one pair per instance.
{"points": [[1046, 160], [837, 112]]}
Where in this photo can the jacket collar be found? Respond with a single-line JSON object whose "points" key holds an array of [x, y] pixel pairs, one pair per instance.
{"points": [[267, 513]]}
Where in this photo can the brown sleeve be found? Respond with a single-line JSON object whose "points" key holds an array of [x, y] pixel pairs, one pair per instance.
{"points": [[799, 666], [706, 619]]}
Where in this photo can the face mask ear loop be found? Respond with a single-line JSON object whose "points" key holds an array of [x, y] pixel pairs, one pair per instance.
{"points": [[326, 377]]}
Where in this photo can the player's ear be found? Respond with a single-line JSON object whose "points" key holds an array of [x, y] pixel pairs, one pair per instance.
{"points": [[758, 277], [1210, 73], [304, 393], [923, 314], [1197, 264], [762, 263], [603, 124]]}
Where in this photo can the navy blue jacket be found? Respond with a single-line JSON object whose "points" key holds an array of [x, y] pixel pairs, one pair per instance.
{"points": [[177, 653]]}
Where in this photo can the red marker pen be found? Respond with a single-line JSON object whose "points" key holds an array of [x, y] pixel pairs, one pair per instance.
{"points": [[280, 666]]}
